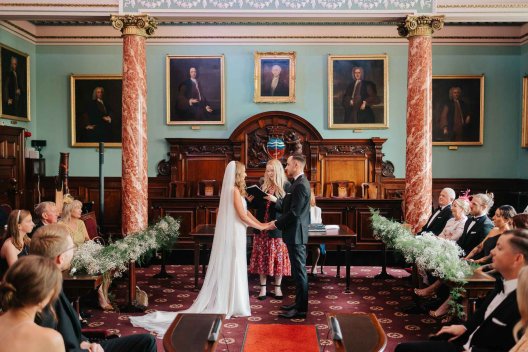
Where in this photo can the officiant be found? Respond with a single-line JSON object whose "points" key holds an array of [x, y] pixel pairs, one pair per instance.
{"points": [[270, 255]]}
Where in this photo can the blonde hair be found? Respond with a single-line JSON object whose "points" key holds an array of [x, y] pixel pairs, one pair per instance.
{"points": [[463, 204], [29, 281], [279, 178], [69, 204], [240, 180], [522, 302], [486, 199], [50, 241], [15, 218]]}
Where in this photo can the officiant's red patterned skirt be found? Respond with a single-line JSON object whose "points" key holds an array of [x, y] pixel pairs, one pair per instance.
{"points": [[269, 256]]}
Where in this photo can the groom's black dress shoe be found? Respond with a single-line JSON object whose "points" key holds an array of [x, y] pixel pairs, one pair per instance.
{"points": [[293, 314], [288, 307]]}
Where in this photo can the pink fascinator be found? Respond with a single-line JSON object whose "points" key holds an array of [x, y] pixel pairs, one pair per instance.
{"points": [[465, 196]]}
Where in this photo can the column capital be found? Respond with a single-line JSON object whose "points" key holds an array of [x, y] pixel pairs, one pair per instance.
{"points": [[142, 25], [420, 25]]}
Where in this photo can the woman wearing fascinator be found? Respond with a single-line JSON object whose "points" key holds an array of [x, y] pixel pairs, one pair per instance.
{"points": [[225, 288]]}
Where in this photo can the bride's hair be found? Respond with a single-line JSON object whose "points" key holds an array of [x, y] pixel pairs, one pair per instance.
{"points": [[278, 180], [240, 179]]}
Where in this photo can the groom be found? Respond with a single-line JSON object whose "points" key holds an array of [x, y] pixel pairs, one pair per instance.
{"points": [[294, 226]]}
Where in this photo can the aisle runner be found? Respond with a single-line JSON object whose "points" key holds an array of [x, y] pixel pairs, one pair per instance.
{"points": [[281, 338]]}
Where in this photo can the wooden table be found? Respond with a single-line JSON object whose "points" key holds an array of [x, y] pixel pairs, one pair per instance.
{"points": [[361, 333], [189, 332], [478, 285], [343, 237], [78, 285]]}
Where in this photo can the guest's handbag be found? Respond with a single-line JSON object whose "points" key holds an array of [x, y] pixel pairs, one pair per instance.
{"points": [[141, 297]]}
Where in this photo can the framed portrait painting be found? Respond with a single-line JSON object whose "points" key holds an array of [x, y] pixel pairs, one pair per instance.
{"points": [[96, 110], [524, 138], [358, 91], [458, 110], [195, 90], [14, 72], [274, 77]]}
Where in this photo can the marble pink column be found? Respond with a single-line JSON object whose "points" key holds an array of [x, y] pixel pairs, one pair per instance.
{"points": [[418, 164], [134, 183]]}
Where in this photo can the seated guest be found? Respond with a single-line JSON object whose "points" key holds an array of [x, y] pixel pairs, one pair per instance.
{"points": [[452, 231], [503, 221], [440, 215], [71, 217], [30, 284], [478, 225], [455, 226], [47, 213], [522, 303], [520, 221], [53, 241], [490, 328], [16, 240]]}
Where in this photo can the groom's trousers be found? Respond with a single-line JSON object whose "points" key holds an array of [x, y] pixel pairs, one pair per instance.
{"points": [[297, 254]]}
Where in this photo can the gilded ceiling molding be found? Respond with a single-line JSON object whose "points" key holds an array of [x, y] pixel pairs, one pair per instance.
{"points": [[52, 4], [420, 26], [142, 25], [483, 6]]}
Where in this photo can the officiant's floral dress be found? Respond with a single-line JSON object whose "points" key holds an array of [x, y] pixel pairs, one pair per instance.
{"points": [[270, 254]]}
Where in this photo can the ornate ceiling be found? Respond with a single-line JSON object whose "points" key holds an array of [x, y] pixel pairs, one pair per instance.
{"points": [[315, 21]]}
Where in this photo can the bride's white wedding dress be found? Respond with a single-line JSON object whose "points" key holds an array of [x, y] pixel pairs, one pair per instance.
{"points": [[225, 288]]}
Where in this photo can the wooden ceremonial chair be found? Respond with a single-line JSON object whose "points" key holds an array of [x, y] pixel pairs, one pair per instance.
{"points": [[341, 189], [90, 221], [178, 189], [369, 190], [207, 188]]}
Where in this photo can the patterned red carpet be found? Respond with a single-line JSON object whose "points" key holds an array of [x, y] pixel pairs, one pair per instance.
{"points": [[382, 297]]}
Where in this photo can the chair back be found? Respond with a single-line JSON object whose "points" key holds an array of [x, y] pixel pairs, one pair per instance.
{"points": [[90, 221], [369, 190]]}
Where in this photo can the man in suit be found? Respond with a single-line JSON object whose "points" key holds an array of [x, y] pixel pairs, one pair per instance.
{"points": [[490, 328], [439, 217], [53, 241], [359, 96], [12, 90], [191, 103], [275, 85], [47, 214], [294, 223], [478, 225], [100, 119]]}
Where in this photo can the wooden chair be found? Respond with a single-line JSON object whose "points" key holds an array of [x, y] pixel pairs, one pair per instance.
{"points": [[315, 187], [178, 189], [207, 188], [90, 221], [341, 189], [369, 190]]}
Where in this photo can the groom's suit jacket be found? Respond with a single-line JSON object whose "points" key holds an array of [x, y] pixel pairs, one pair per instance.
{"points": [[295, 209]]}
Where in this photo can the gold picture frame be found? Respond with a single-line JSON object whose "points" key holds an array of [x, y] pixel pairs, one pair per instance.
{"points": [[271, 70], [453, 126], [358, 93], [524, 136], [195, 92], [15, 84], [96, 110]]}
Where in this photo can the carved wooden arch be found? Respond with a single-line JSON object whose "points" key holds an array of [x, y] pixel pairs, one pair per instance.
{"points": [[254, 133]]}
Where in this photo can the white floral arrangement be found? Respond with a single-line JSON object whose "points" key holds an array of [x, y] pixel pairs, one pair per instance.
{"points": [[93, 259], [437, 255]]}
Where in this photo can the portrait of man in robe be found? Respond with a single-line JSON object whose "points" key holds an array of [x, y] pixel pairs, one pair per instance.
{"points": [[14, 68], [274, 77], [458, 110]]}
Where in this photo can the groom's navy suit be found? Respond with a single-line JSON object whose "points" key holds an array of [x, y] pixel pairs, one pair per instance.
{"points": [[294, 223]]}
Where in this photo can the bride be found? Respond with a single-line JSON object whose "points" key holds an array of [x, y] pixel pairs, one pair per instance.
{"points": [[225, 288]]}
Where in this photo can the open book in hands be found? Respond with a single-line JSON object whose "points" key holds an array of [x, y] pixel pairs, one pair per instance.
{"points": [[257, 193]]}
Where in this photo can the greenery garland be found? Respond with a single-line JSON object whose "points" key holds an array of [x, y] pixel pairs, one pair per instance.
{"points": [[437, 255], [93, 258]]}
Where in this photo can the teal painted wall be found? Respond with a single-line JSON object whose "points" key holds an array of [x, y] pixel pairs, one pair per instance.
{"points": [[24, 46], [498, 157]]}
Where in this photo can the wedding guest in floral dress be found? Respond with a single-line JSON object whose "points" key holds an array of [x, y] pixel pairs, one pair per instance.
{"points": [[270, 255]]}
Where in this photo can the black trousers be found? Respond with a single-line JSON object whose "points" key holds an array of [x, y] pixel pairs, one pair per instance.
{"points": [[132, 343], [297, 254]]}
